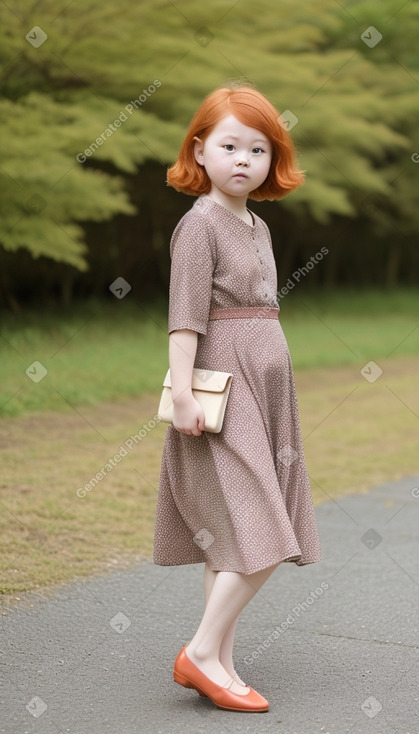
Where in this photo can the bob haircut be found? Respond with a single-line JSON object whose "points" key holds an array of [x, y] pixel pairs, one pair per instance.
{"points": [[253, 109]]}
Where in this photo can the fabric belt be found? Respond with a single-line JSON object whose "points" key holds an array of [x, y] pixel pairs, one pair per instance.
{"points": [[244, 312]]}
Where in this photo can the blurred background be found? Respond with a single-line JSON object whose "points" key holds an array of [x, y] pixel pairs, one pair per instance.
{"points": [[96, 99]]}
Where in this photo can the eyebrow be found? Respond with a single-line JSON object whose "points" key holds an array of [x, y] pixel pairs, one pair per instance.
{"points": [[235, 137]]}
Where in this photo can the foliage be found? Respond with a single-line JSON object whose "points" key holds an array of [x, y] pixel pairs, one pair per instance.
{"points": [[356, 105]]}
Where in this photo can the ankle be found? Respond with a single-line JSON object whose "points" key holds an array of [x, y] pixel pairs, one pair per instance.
{"points": [[202, 653]]}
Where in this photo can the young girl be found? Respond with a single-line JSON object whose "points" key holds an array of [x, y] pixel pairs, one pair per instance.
{"points": [[239, 500]]}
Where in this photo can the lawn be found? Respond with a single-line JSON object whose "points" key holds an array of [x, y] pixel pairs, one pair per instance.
{"points": [[110, 350]]}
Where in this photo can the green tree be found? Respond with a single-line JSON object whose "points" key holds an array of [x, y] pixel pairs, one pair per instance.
{"points": [[353, 100]]}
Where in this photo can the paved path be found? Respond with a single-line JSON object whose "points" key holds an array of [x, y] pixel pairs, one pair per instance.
{"points": [[333, 646]]}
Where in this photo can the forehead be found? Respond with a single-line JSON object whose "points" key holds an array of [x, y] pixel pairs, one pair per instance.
{"points": [[230, 125]]}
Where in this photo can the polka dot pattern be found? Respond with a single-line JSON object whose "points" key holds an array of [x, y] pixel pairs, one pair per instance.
{"points": [[240, 499]]}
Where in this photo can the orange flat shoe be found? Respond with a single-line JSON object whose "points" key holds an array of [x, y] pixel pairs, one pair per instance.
{"points": [[187, 674]]}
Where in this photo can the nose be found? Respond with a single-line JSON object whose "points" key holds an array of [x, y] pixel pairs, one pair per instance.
{"points": [[242, 161]]}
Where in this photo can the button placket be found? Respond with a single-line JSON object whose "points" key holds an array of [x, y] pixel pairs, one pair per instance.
{"points": [[260, 261]]}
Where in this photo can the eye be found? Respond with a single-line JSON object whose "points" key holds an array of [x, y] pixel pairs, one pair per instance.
{"points": [[230, 147], [258, 149]]}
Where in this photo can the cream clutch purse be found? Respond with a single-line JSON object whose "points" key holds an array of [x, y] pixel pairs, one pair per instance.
{"points": [[209, 388]]}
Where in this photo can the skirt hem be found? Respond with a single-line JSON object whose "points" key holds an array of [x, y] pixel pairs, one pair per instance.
{"points": [[297, 559]]}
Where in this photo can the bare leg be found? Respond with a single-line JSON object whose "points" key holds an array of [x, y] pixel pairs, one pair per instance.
{"points": [[226, 647], [229, 595]]}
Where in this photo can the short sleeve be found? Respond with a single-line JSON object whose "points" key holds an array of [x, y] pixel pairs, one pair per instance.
{"points": [[193, 259]]}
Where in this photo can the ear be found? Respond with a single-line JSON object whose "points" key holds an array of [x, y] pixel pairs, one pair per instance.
{"points": [[199, 151]]}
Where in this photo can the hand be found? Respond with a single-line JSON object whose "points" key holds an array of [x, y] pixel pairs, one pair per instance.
{"points": [[188, 416]]}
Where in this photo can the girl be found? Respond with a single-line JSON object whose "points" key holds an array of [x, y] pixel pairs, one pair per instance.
{"points": [[239, 500]]}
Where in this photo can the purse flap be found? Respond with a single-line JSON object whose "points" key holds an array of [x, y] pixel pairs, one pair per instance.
{"points": [[208, 380]]}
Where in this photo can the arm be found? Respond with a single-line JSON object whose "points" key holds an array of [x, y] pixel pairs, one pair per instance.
{"points": [[188, 416]]}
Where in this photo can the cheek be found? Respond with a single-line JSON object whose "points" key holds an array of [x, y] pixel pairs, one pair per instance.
{"points": [[217, 162], [266, 166], [262, 169]]}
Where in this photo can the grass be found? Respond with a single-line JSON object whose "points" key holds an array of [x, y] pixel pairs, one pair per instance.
{"points": [[356, 434], [95, 353], [348, 327], [106, 351]]}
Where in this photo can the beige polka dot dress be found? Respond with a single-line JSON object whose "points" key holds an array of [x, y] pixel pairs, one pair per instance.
{"points": [[240, 499]]}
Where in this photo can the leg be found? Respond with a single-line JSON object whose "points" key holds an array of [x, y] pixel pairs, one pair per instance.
{"points": [[229, 595], [226, 647]]}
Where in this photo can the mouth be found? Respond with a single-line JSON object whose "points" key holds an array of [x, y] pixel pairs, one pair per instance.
{"points": [[240, 175]]}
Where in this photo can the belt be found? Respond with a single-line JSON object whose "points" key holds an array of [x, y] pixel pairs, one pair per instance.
{"points": [[244, 312]]}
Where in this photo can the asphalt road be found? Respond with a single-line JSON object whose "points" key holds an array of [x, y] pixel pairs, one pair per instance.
{"points": [[333, 646]]}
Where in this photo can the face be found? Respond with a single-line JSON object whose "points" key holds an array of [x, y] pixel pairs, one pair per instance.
{"points": [[236, 157]]}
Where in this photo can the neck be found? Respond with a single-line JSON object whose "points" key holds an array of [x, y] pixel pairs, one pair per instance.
{"points": [[236, 204]]}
